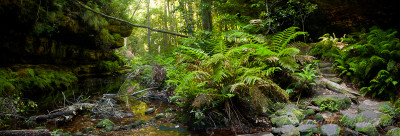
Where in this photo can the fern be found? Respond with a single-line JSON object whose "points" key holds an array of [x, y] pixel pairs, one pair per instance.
{"points": [[281, 39]]}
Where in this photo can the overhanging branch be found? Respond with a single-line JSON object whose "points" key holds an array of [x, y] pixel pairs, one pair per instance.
{"points": [[121, 20]]}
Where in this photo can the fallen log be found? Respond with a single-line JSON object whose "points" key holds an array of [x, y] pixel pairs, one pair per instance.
{"points": [[52, 115], [63, 112], [29, 132]]}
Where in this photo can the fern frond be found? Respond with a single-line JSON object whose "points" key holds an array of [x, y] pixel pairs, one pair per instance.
{"points": [[280, 40]]}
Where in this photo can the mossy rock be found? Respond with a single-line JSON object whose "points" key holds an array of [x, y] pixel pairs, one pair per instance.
{"points": [[374, 117], [160, 116], [137, 123], [393, 132], [291, 110], [107, 124], [284, 120], [308, 130], [289, 115], [367, 128], [332, 102]]}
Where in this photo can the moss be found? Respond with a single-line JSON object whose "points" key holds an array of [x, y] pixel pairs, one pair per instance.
{"points": [[107, 124], [393, 132], [108, 66], [348, 120], [309, 112], [367, 128], [332, 103]]}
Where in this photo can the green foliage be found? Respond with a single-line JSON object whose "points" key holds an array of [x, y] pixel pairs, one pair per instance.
{"points": [[372, 62], [108, 66], [33, 78], [204, 81]]}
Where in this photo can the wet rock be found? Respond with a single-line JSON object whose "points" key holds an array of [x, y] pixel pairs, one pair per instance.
{"points": [[332, 102], [307, 130], [348, 119], [137, 123], [107, 124], [149, 110], [289, 115], [393, 132], [160, 115], [367, 128], [287, 130], [330, 130]]}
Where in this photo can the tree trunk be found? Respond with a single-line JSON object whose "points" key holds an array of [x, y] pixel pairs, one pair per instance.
{"points": [[206, 14], [148, 25]]}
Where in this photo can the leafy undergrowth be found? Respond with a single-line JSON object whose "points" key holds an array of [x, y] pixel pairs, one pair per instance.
{"points": [[369, 60], [233, 78]]}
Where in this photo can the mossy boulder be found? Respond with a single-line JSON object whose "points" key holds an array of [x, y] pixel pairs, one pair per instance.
{"points": [[332, 102], [309, 112], [137, 123], [289, 115], [107, 124], [367, 128], [160, 116], [375, 118], [308, 130]]}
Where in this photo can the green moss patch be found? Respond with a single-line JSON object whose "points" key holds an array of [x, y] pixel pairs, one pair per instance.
{"points": [[332, 102]]}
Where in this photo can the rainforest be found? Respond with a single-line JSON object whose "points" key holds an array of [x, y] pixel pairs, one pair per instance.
{"points": [[199, 67]]}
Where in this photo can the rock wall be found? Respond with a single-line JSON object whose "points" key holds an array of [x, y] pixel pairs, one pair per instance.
{"points": [[57, 32]]}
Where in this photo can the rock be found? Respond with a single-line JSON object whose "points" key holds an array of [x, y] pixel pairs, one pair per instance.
{"points": [[78, 134], [367, 128], [258, 134], [88, 129], [289, 115], [107, 124], [324, 64], [287, 130], [137, 123], [307, 122], [326, 70], [319, 117], [160, 115], [393, 132], [376, 118], [335, 79], [370, 105], [350, 132], [314, 108], [307, 129], [332, 102], [388, 128], [348, 119], [330, 130], [149, 110]]}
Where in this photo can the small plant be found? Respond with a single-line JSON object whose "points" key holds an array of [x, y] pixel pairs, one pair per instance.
{"points": [[329, 106]]}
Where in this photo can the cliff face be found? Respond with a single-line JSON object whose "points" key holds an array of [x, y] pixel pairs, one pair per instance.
{"points": [[57, 32], [347, 16]]}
